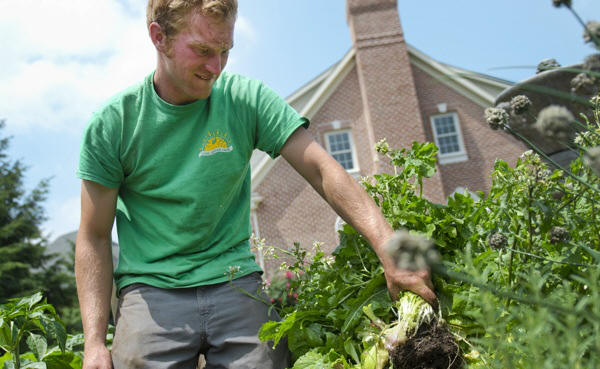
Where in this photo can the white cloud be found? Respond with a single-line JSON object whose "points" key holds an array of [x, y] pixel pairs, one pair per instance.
{"points": [[65, 57]]}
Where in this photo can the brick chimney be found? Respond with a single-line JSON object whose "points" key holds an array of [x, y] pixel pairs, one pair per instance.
{"points": [[390, 103]]}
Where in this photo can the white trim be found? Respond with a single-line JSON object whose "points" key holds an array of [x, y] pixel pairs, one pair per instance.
{"points": [[259, 253], [329, 86], [453, 157], [355, 167], [488, 80], [450, 78], [310, 85]]}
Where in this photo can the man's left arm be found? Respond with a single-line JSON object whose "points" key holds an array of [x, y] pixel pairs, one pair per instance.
{"points": [[351, 202]]}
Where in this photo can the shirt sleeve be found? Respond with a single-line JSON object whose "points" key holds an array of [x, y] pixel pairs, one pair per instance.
{"points": [[276, 121], [99, 154]]}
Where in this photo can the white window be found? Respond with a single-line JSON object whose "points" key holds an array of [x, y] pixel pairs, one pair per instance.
{"points": [[341, 147], [447, 136]]}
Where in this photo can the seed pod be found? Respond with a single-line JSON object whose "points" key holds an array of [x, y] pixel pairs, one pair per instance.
{"points": [[547, 64], [554, 122], [559, 3], [584, 84], [520, 104], [412, 252], [497, 241], [496, 117], [558, 234], [592, 62], [591, 31]]}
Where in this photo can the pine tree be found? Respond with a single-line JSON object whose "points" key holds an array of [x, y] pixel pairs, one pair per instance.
{"points": [[25, 265]]}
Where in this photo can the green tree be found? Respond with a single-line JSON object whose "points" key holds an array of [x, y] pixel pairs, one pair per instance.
{"points": [[25, 265]]}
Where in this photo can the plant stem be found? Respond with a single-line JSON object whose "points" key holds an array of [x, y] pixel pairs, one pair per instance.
{"points": [[510, 263], [554, 261], [593, 36], [552, 161], [529, 224], [17, 358], [517, 297]]}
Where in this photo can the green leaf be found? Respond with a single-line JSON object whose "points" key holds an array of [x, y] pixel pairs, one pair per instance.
{"points": [[275, 331], [74, 341], [350, 349], [59, 360], [313, 335], [4, 358], [35, 365], [375, 288], [315, 360], [56, 330], [6, 339], [38, 345], [30, 301]]}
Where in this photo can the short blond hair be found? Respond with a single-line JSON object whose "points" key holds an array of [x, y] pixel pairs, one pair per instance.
{"points": [[172, 15]]}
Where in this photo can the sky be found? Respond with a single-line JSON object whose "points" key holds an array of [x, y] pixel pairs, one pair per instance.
{"points": [[60, 59]]}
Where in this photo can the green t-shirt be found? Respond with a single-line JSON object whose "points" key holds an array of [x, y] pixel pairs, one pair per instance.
{"points": [[183, 174]]}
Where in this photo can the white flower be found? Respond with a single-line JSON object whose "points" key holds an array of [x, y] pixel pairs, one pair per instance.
{"points": [[527, 154], [233, 269]]}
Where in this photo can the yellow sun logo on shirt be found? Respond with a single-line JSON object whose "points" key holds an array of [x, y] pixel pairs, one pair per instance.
{"points": [[215, 142]]}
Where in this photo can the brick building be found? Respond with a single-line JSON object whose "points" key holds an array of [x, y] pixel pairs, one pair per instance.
{"points": [[382, 88]]}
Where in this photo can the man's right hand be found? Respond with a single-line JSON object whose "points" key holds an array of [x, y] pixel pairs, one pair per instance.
{"points": [[97, 357]]}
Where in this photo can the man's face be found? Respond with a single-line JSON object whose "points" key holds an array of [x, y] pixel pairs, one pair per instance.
{"points": [[195, 58]]}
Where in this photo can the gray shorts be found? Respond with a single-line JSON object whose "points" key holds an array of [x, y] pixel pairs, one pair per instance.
{"points": [[169, 328]]}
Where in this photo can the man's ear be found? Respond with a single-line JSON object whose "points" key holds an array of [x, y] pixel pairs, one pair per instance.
{"points": [[158, 37]]}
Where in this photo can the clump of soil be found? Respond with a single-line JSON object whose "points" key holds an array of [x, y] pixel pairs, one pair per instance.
{"points": [[432, 347]]}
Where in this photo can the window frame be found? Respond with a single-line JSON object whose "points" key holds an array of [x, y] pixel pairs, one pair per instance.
{"points": [[454, 157], [326, 135]]}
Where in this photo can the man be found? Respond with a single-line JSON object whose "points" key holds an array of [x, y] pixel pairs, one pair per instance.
{"points": [[170, 159]]}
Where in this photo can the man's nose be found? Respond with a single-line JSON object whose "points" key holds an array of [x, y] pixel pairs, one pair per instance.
{"points": [[214, 64]]}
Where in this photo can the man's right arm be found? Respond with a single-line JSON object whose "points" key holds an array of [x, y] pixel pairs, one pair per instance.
{"points": [[93, 269]]}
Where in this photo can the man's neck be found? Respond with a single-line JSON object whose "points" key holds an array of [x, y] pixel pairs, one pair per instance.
{"points": [[163, 89]]}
